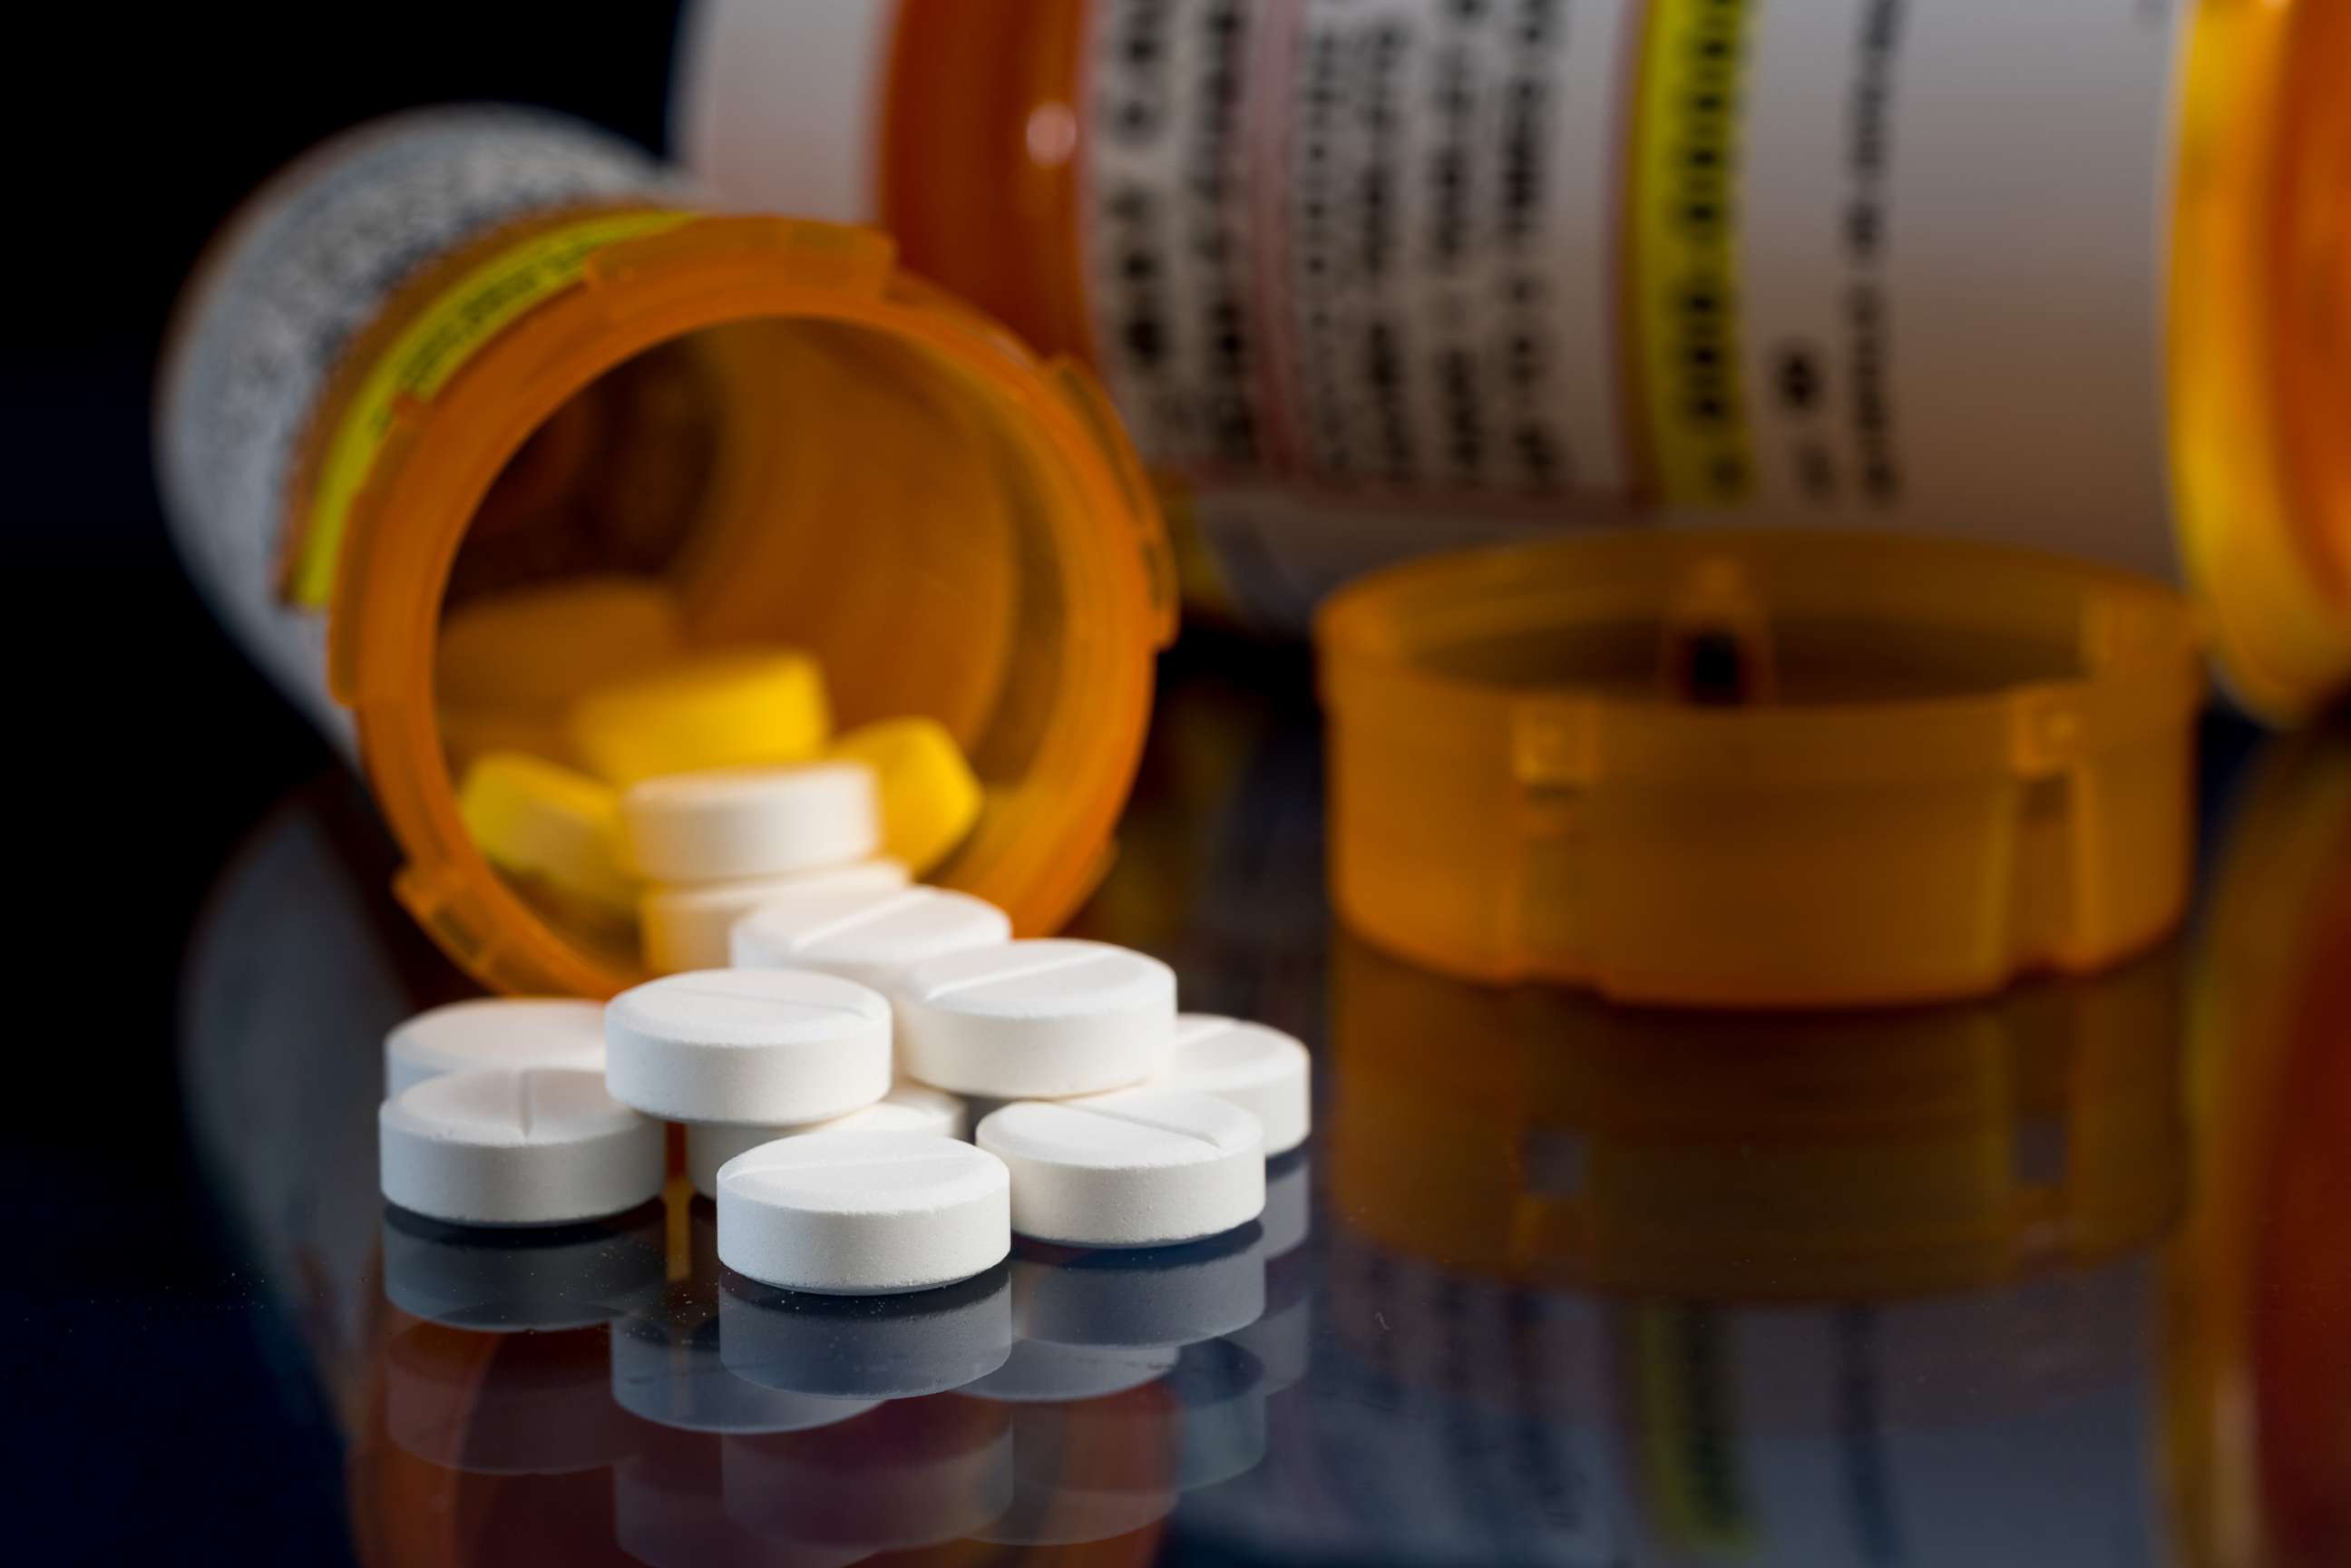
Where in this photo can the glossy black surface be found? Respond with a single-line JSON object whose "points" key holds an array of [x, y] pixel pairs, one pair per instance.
{"points": [[2056, 1277]]}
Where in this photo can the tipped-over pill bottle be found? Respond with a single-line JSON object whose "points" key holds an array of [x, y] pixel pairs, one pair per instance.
{"points": [[478, 356], [1372, 277]]}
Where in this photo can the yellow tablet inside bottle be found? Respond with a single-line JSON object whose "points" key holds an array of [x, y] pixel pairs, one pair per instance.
{"points": [[472, 409]]}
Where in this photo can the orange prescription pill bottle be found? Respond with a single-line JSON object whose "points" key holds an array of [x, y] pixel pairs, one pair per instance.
{"points": [[1372, 277], [470, 352]]}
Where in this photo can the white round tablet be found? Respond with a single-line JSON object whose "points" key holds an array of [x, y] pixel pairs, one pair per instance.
{"points": [[746, 1045], [1037, 1019], [730, 822], [907, 1108], [536, 1145], [862, 1213], [494, 1031], [865, 935], [1140, 1167], [685, 926], [1262, 1071]]}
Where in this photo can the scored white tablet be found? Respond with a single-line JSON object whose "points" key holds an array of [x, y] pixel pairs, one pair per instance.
{"points": [[864, 933], [685, 924], [732, 822], [536, 1145], [1262, 1071], [1040, 1019], [856, 1212], [747, 1045], [494, 1031], [907, 1108], [1140, 1167]]}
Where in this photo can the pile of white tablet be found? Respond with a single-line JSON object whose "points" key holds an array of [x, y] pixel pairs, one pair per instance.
{"points": [[822, 1084]]}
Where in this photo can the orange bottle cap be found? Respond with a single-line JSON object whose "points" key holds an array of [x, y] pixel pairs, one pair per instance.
{"points": [[1759, 769]]}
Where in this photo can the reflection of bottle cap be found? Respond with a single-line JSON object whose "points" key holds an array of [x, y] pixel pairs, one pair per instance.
{"points": [[1147, 1296], [1710, 1155], [912, 1473], [502, 1278], [865, 1347], [503, 1405], [1759, 769]]}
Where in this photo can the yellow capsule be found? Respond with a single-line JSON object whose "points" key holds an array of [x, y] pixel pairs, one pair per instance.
{"points": [[541, 648], [929, 795], [732, 709], [551, 827]]}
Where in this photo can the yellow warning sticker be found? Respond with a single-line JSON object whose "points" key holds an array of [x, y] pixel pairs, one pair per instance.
{"points": [[1683, 261], [433, 347]]}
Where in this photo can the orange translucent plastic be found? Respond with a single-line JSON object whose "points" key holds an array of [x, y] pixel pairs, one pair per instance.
{"points": [[2260, 344], [951, 525], [1759, 769], [1846, 1158]]}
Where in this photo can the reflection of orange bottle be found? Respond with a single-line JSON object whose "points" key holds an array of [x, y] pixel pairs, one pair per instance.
{"points": [[2262, 1409], [1372, 278]]}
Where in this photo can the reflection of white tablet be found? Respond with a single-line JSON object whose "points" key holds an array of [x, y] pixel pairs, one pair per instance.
{"points": [[865, 1347], [507, 1279]]}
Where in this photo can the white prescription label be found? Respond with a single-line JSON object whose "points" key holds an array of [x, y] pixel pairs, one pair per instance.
{"points": [[309, 262], [1370, 277]]}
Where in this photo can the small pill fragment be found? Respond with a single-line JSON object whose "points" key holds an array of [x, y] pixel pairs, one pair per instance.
{"points": [[685, 927], [747, 1045], [534, 820], [1263, 1070], [494, 1031], [537, 1145], [868, 935], [858, 1212], [1035, 1019], [737, 709], [930, 796], [907, 1108], [730, 822], [1138, 1167]]}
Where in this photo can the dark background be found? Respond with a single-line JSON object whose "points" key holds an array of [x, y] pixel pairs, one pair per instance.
{"points": [[151, 1401]]}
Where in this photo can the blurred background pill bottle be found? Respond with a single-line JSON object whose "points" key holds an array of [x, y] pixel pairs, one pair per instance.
{"points": [[480, 355], [1372, 277]]}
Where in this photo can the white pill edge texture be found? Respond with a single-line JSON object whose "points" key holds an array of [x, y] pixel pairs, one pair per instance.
{"points": [[1273, 1080], [871, 935], [1202, 1175], [945, 1217], [735, 822], [686, 926], [1039, 1039], [800, 1047], [599, 1157], [493, 1031], [907, 1108]]}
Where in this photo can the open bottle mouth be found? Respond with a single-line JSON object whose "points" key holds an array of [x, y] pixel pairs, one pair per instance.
{"points": [[848, 467]]}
